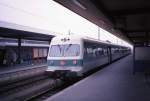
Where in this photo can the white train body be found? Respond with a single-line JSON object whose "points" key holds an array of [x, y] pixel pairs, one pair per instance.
{"points": [[78, 55], [59, 60]]}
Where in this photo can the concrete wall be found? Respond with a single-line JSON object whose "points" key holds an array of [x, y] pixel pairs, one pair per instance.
{"points": [[142, 59], [142, 53]]}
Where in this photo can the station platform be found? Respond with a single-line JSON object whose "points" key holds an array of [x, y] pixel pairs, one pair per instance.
{"points": [[115, 82], [10, 69]]}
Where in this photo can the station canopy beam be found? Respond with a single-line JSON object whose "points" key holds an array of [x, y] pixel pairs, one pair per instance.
{"points": [[11, 30], [119, 17]]}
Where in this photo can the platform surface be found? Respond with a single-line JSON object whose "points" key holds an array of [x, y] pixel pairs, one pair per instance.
{"points": [[113, 83]]}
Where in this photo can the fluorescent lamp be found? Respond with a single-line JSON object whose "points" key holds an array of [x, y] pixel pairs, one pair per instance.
{"points": [[79, 4]]}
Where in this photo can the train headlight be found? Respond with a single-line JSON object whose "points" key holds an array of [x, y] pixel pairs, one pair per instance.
{"points": [[74, 62], [62, 62], [65, 39], [51, 62]]}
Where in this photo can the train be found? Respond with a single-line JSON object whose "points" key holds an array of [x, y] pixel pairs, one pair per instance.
{"points": [[31, 52], [74, 56]]}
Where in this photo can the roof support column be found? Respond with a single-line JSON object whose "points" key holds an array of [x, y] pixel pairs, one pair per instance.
{"points": [[147, 39], [19, 50], [134, 60]]}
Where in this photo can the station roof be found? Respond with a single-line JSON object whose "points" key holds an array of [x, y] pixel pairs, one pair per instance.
{"points": [[128, 19], [11, 30]]}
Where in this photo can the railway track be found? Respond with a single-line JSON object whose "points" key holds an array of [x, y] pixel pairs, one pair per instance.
{"points": [[65, 84], [10, 86], [36, 88], [49, 93], [28, 89], [15, 76], [26, 84]]}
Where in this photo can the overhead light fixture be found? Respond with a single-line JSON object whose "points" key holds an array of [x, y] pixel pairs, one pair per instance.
{"points": [[79, 4]]}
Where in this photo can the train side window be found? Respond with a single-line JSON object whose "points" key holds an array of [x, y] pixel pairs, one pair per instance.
{"points": [[100, 51], [104, 51], [112, 50]]}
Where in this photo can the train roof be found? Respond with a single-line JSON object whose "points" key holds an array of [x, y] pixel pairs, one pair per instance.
{"points": [[89, 39], [102, 42]]}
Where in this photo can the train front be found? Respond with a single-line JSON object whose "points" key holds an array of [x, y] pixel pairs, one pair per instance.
{"points": [[65, 56]]}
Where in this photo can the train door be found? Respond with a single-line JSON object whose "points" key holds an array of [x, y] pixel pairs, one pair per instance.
{"points": [[2, 52], [109, 54]]}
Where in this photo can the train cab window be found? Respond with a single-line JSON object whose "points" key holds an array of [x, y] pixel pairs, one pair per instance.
{"points": [[66, 50], [55, 51], [72, 50]]}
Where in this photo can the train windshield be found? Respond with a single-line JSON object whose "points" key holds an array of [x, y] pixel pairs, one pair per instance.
{"points": [[66, 50]]}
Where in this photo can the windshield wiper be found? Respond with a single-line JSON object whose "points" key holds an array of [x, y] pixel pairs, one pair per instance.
{"points": [[68, 47], [59, 48]]}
